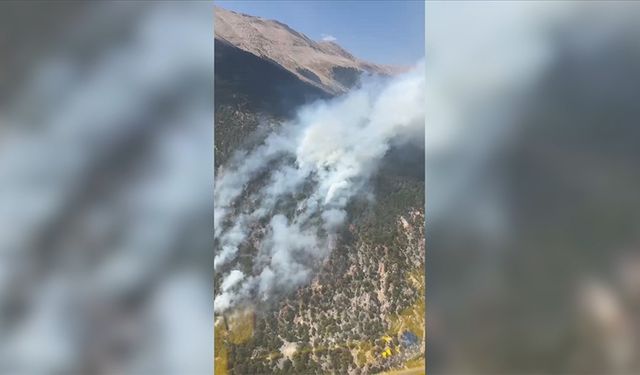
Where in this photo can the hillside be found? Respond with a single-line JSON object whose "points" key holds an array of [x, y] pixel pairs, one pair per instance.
{"points": [[324, 65], [361, 311]]}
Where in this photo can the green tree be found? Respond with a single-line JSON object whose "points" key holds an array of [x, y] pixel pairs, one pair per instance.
{"points": [[287, 365]]}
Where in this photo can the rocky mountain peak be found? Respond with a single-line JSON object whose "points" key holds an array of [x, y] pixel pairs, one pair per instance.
{"points": [[325, 64]]}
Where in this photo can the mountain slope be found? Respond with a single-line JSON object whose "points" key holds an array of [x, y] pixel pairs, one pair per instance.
{"points": [[324, 65], [367, 295]]}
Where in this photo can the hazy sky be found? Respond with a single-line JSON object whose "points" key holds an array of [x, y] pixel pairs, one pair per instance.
{"points": [[386, 32]]}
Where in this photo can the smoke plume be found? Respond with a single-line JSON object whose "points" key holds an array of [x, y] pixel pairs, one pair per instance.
{"points": [[286, 197]]}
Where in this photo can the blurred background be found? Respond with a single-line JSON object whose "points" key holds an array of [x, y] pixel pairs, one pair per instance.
{"points": [[533, 206], [533, 241], [106, 167]]}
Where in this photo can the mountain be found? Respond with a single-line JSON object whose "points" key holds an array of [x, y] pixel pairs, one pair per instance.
{"points": [[266, 70], [361, 310], [324, 65]]}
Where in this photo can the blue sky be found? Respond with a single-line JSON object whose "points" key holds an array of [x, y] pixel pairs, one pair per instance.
{"points": [[385, 32]]}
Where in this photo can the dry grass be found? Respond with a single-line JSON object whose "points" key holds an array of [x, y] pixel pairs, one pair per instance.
{"points": [[240, 330], [408, 371], [220, 350], [413, 318], [240, 326]]}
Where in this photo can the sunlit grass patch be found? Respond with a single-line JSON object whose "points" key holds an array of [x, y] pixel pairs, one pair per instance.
{"points": [[240, 326], [221, 358]]}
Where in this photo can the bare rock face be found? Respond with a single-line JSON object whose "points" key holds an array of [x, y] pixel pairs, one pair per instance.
{"points": [[324, 65]]}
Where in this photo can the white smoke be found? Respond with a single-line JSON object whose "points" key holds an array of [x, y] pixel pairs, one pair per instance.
{"points": [[300, 180], [234, 277]]}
